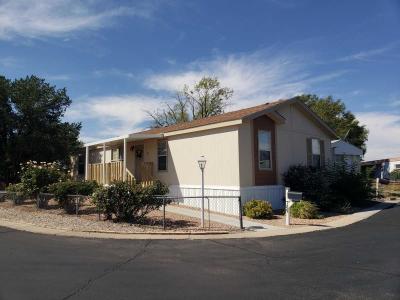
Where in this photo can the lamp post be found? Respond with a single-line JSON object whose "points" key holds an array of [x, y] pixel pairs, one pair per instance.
{"points": [[202, 164]]}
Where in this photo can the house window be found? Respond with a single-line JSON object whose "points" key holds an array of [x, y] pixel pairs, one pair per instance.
{"points": [[397, 166], [116, 154], [316, 153], [162, 154], [264, 150]]}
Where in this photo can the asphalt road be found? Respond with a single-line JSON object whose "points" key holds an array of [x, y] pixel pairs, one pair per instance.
{"points": [[361, 261]]}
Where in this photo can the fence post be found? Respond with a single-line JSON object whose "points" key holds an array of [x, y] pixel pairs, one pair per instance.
{"points": [[77, 206], [163, 213], [240, 213], [287, 206], [377, 188], [209, 215]]}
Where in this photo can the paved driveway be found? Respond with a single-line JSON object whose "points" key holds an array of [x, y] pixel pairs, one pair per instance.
{"points": [[355, 262]]}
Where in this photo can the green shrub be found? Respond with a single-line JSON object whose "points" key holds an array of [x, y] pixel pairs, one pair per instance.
{"points": [[62, 189], [395, 174], [16, 193], [304, 210], [258, 209], [129, 202], [36, 177], [332, 187]]}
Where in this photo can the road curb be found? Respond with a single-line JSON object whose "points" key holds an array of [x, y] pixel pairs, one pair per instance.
{"points": [[345, 221]]}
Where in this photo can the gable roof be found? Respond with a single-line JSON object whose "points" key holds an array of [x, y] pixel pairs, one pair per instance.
{"points": [[343, 147], [246, 113], [225, 117]]}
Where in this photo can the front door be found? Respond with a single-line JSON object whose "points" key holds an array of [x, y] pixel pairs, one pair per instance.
{"points": [[139, 153]]}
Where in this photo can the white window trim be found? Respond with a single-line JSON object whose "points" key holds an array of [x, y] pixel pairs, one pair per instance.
{"points": [[270, 150]]}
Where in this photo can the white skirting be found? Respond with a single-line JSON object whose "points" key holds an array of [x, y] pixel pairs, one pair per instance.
{"points": [[272, 193]]}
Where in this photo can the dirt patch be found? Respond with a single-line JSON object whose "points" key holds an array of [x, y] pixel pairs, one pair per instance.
{"points": [[88, 219]]}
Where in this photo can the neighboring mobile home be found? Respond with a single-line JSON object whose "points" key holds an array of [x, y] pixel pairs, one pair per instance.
{"points": [[247, 151], [383, 167], [346, 153]]}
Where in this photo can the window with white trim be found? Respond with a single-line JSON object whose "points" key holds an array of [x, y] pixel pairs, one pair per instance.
{"points": [[316, 152], [264, 150], [162, 155]]}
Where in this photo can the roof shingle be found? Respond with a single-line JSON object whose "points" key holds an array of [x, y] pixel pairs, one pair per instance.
{"points": [[225, 117]]}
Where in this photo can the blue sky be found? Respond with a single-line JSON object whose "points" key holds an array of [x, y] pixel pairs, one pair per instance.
{"points": [[118, 59]]}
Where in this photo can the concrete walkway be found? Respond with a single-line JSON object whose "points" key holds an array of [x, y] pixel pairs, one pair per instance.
{"points": [[227, 220]]}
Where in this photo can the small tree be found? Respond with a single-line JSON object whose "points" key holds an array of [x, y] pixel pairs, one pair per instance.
{"points": [[206, 98]]}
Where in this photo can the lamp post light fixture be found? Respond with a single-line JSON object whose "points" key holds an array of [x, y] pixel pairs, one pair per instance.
{"points": [[202, 165]]}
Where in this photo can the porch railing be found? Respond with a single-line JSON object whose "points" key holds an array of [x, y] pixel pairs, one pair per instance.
{"points": [[114, 172]]}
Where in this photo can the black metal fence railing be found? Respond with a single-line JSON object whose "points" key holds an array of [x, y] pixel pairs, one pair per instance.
{"points": [[73, 203]]}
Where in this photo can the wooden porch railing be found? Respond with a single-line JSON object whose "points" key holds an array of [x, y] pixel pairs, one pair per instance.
{"points": [[96, 172], [129, 177], [114, 172]]}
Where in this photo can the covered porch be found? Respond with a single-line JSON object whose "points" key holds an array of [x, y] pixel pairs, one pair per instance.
{"points": [[127, 158]]}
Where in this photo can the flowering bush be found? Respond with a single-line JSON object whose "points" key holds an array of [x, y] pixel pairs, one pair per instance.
{"points": [[36, 177]]}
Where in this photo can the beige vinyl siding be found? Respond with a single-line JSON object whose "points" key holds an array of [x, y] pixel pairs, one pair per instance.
{"points": [[219, 146], [291, 138]]}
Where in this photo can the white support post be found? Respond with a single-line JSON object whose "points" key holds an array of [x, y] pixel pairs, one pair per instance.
{"points": [[104, 163], [287, 206], [124, 163], [87, 163], [377, 188]]}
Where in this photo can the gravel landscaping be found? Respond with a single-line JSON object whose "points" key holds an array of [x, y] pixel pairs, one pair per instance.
{"points": [[56, 218]]}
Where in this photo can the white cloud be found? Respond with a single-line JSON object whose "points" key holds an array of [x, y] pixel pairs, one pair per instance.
{"points": [[384, 130], [367, 55], [113, 115], [51, 18], [255, 78]]}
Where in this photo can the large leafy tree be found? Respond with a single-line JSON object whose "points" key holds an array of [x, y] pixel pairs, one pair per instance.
{"points": [[6, 126], [343, 121], [37, 131], [206, 98]]}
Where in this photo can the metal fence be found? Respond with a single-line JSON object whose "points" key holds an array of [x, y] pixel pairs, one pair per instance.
{"points": [[73, 204]]}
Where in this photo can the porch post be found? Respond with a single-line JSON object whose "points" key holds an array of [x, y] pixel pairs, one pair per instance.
{"points": [[104, 163], [87, 163], [124, 162]]}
